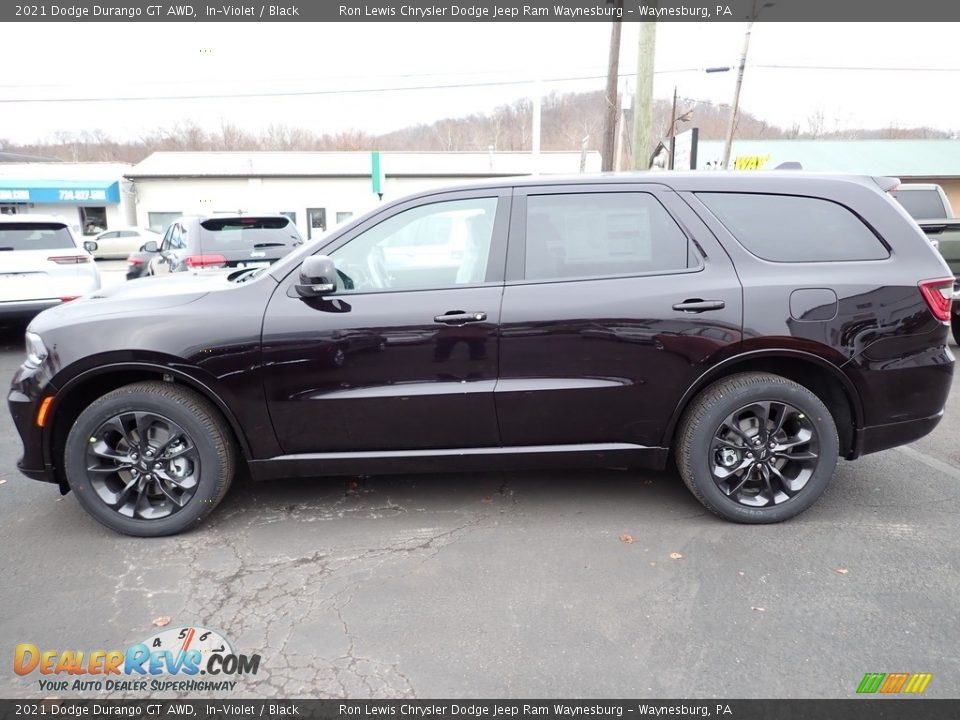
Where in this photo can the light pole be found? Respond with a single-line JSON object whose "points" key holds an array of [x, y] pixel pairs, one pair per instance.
{"points": [[732, 125]]}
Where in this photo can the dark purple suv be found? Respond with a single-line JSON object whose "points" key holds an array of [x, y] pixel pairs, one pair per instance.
{"points": [[758, 326]]}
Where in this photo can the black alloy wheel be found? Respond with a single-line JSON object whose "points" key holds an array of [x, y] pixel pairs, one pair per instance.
{"points": [[757, 448], [150, 459]]}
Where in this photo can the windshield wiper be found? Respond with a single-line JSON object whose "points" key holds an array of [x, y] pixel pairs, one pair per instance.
{"points": [[269, 245]]}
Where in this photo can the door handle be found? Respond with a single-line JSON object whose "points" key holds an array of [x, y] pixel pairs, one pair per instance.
{"points": [[696, 305], [457, 317]]}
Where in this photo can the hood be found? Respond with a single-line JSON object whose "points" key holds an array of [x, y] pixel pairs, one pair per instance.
{"points": [[134, 296]]}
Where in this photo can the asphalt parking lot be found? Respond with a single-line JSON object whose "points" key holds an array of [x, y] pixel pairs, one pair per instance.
{"points": [[552, 584]]}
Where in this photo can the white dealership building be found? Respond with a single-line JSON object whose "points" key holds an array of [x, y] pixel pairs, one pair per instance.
{"points": [[318, 190]]}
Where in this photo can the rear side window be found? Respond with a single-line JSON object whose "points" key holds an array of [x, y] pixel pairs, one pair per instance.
{"points": [[248, 233], [35, 236], [582, 235], [790, 228], [921, 204]]}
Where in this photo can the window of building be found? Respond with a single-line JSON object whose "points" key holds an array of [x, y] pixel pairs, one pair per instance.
{"points": [[316, 222], [160, 220], [582, 235], [792, 228], [93, 220], [290, 215], [342, 217]]}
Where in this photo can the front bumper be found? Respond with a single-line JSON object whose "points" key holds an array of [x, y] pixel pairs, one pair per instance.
{"points": [[27, 389]]}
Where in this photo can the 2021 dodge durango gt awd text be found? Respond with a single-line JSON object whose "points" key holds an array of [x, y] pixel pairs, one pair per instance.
{"points": [[756, 326]]}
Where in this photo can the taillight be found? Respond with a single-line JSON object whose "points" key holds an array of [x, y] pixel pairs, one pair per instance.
{"points": [[69, 259], [68, 298], [134, 261], [938, 294], [196, 261]]}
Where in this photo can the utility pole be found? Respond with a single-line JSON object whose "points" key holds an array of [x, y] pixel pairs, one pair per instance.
{"points": [[612, 97], [732, 126], [673, 128], [643, 110]]}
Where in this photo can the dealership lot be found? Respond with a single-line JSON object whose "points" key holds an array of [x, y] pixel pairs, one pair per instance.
{"points": [[586, 583]]}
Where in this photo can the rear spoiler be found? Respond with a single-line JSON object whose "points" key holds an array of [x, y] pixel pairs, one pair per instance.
{"points": [[887, 184]]}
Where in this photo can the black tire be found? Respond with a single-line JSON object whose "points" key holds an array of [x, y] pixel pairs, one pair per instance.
{"points": [[211, 460], [955, 327], [706, 440]]}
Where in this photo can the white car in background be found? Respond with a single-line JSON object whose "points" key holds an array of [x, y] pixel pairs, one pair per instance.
{"points": [[42, 264], [122, 242]]}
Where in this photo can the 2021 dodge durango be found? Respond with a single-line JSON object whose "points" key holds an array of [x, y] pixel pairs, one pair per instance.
{"points": [[756, 326]]}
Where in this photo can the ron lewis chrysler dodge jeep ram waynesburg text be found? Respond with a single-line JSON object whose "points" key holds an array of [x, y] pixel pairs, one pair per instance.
{"points": [[758, 326]]}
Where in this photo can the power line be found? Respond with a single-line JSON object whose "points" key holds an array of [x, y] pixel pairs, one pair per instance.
{"points": [[447, 86]]}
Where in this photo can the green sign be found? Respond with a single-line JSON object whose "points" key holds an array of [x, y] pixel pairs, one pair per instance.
{"points": [[376, 173]]}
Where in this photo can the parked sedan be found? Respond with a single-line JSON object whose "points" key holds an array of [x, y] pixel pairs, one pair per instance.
{"points": [[42, 264], [120, 242]]}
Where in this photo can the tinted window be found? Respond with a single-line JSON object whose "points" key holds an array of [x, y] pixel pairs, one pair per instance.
{"points": [[430, 246], [35, 236], [248, 233], [789, 228], [921, 204], [595, 234]]}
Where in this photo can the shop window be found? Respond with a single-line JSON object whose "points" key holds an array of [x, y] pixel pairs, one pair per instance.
{"points": [[342, 217], [93, 220]]}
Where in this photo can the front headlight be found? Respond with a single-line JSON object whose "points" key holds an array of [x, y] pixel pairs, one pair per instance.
{"points": [[36, 350]]}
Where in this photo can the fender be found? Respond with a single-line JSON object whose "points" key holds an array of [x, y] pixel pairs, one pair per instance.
{"points": [[177, 374], [725, 367]]}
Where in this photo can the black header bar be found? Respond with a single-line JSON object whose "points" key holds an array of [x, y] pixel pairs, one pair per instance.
{"points": [[852, 11]]}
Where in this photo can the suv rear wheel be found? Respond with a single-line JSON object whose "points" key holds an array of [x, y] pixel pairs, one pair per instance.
{"points": [[757, 448], [149, 459]]}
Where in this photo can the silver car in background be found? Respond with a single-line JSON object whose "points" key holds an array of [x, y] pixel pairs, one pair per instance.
{"points": [[42, 264]]}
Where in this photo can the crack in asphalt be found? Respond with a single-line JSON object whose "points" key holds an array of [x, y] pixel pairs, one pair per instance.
{"points": [[289, 608]]}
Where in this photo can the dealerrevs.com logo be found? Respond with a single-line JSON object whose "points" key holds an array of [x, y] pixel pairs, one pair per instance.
{"points": [[168, 661]]}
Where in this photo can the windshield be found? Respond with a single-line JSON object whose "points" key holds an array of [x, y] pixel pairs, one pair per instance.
{"points": [[35, 236], [247, 233]]}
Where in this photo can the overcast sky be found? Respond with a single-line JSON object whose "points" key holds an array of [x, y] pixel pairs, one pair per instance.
{"points": [[86, 60]]}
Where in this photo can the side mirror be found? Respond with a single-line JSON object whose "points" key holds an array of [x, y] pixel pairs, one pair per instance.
{"points": [[150, 246], [318, 277], [90, 246]]}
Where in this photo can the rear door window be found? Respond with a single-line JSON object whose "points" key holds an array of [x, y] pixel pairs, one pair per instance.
{"points": [[35, 236], [792, 228], [584, 235]]}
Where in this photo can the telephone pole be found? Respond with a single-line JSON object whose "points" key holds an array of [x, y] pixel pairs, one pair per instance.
{"points": [[643, 108], [612, 98], [734, 111]]}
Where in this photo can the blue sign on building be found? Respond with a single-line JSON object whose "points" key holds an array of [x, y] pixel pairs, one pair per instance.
{"points": [[68, 192]]}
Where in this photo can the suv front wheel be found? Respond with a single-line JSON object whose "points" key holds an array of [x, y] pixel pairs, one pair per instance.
{"points": [[757, 448], [149, 459]]}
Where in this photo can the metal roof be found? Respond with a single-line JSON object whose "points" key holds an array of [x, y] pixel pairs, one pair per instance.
{"points": [[900, 158], [354, 164]]}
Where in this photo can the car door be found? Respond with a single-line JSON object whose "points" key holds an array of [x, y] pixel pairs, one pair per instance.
{"points": [[107, 243], [173, 246], [401, 356], [617, 298]]}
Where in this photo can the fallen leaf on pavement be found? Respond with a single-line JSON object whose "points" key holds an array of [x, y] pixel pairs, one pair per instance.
{"points": [[758, 609], [675, 556], [161, 621], [842, 571], [488, 498], [741, 573], [2, 482], [626, 538]]}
